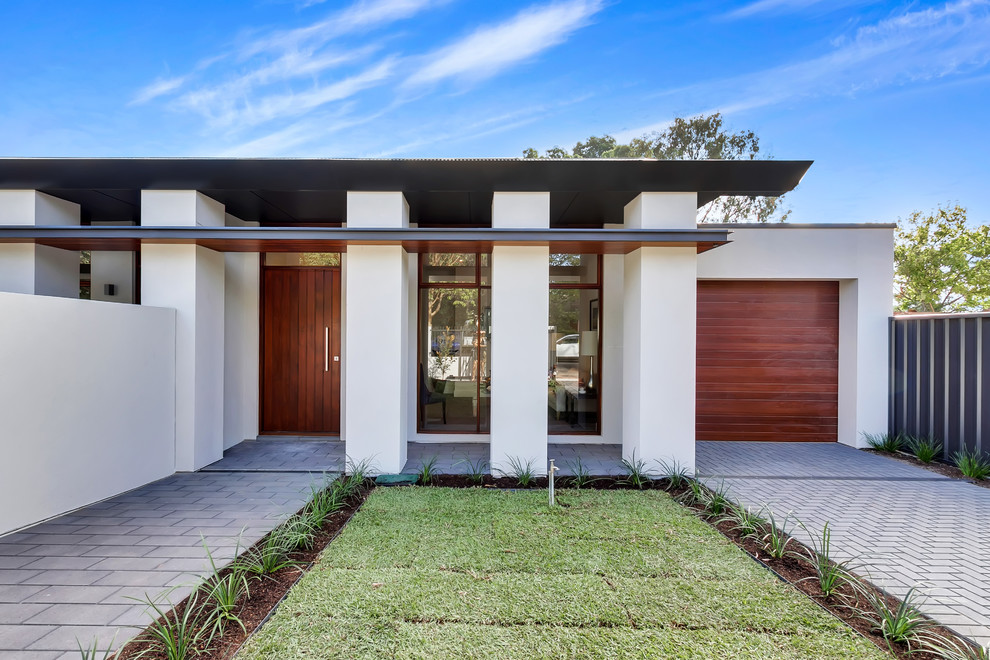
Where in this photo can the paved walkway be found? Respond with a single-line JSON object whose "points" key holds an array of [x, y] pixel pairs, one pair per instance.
{"points": [[70, 578], [906, 526], [282, 454]]}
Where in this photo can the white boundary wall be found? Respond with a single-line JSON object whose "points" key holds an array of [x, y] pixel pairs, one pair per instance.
{"points": [[87, 399]]}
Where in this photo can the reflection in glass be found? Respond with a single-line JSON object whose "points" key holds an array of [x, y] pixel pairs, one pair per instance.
{"points": [[302, 258], [573, 345], [454, 363]]}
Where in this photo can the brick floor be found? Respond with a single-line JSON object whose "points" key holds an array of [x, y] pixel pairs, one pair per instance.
{"points": [[905, 526], [283, 453], [73, 577]]}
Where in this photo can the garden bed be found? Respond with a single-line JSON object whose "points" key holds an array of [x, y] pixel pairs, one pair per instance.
{"points": [[254, 608], [937, 466]]}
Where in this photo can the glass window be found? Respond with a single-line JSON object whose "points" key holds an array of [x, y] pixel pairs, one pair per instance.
{"points": [[302, 258], [574, 345], [454, 360], [449, 268]]}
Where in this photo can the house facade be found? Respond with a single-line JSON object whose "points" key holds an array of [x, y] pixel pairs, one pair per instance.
{"points": [[511, 302]]}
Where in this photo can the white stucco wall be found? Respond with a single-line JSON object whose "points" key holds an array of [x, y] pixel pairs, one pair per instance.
{"points": [[38, 269], [375, 343], [87, 402], [860, 258], [115, 268], [190, 279], [241, 346]]}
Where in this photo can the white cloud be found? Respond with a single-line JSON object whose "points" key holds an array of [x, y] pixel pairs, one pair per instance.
{"points": [[491, 49], [362, 15], [159, 87], [783, 6], [909, 48], [265, 86]]}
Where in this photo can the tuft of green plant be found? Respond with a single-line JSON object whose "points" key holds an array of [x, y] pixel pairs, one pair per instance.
{"points": [[271, 555], [954, 649], [925, 449], [743, 520], [223, 592], [360, 469], [476, 470], [520, 470], [427, 471], [675, 474], [973, 464], [92, 652], [173, 635], [694, 495], [777, 538], [325, 501], [888, 442], [580, 474], [716, 500], [637, 474], [903, 624], [299, 532], [831, 574]]}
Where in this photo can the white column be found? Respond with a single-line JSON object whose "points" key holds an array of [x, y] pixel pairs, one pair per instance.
{"points": [[863, 351], [376, 304], [520, 311], [38, 269], [190, 279], [241, 343], [659, 336], [610, 390]]}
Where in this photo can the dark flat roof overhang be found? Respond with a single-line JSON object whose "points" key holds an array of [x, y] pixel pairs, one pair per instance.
{"points": [[337, 239], [441, 192]]}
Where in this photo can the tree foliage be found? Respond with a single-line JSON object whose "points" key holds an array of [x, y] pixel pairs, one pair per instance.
{"points": [[942, 264], [697, 138]]}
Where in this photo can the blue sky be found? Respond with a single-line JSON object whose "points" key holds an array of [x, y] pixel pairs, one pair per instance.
{"points": [[890, 99]]}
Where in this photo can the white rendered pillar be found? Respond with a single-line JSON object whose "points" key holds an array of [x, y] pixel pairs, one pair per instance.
{"points": [[38, 269], [520, 310], [659, 336], [241, 343], [375, 342], [190, 279]]}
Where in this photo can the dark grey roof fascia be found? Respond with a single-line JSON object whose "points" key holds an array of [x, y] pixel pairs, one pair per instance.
{"points": [[799, 225], [31, 232], [709, 177]]}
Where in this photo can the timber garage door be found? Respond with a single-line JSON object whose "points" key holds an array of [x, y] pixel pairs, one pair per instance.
{"points": [[768, 361]]}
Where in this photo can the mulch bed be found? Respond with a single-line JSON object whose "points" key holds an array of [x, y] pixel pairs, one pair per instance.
{"points": [[265, 593], [944, 469]]}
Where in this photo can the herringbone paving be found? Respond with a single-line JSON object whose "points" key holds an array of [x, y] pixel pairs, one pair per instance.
{"points": [[905, 526]]}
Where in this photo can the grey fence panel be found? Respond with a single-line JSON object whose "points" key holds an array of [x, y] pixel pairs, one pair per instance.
{"points": [[940, 379]]}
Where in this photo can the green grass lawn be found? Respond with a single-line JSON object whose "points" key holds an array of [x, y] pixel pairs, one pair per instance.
{"points": [[436, 573]]}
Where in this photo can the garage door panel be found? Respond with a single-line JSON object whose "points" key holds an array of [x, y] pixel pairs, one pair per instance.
{"points": [[767, 361]]}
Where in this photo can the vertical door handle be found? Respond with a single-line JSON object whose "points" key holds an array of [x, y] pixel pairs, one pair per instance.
{"points": [[326, 348]]}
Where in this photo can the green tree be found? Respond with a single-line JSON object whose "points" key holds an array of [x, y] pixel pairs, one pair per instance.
{"points": [[697, 138], [941, 264]]}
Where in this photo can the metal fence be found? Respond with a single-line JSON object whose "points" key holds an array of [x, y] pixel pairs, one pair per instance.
{"points": [[940, 379]]}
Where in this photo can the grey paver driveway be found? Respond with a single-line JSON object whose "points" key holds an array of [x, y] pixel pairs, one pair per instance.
{"points": [[71, 577], [907, 526]]}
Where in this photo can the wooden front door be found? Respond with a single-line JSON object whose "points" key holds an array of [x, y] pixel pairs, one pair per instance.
{"points": [[300, 349]]}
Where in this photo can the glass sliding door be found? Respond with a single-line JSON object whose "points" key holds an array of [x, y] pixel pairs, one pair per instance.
{"points": [[454, 331]]}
